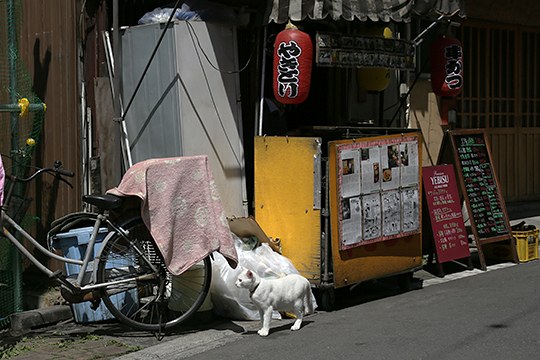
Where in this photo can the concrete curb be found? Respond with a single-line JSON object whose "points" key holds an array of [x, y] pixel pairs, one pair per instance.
{"points": [[191, 344], [23, 322]]}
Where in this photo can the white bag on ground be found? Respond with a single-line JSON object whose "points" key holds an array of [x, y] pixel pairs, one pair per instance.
{"points": [[234, 303]]}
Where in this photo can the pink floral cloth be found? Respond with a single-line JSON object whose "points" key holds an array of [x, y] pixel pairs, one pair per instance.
{"points": [[182, 208], [2, 179]]}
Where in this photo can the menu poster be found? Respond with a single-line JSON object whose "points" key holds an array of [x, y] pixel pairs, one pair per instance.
{"points": [[391, 206], [351, 221], [408, 155], [411, 209], [390, 160], [350, 171], [372, 203], [480, 185], [444, 205], [370, 158], [372, 216]]}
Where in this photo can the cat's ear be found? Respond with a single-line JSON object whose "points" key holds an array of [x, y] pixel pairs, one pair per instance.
{"points": [[249, 274]]}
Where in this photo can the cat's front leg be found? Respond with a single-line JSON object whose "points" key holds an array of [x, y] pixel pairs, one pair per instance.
{"points": [[261, 317], [297, 322], [266, 319]]}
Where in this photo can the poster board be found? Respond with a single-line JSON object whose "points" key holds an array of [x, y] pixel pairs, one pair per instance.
{"points": [[443, 202], [378, 189], [371, 254], [479, 187]]}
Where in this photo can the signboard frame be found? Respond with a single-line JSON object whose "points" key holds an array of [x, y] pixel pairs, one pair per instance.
{"points": [[443, 206], [401, 255], [378, 187], [451, 138], [354, 51]]}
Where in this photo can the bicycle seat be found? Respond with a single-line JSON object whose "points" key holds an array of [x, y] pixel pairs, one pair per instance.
{"points": [[105, 202]]}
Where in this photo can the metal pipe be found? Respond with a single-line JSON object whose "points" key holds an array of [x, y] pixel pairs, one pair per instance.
{"points": [[261, 100], [418, 39], [15, 108], [118, 89], [128, 161], [37, 245], [84, 141], [16, 169], [117, 51], [29, 255], [12, 51]]}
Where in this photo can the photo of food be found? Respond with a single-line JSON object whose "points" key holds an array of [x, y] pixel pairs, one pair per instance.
{"points": [[346, 209], [393, 156], [387, 175], [405, 156], [364, 153], [348, 166], [375, 172]]}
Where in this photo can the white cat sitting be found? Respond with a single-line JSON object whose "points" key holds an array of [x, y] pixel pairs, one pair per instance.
{"points": [[290, 293]]}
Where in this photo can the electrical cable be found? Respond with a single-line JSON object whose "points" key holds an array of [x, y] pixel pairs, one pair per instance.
{"points": [[194, 34]]}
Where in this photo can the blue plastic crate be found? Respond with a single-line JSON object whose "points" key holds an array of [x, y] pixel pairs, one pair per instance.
{"points": [[74, 245]]}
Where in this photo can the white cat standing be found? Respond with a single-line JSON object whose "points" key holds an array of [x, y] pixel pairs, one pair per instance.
{"points": [[291, 293]]}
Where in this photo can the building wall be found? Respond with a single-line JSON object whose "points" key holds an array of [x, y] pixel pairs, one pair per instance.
{"points": [[500, 94], [48, 47], [523, 12]]}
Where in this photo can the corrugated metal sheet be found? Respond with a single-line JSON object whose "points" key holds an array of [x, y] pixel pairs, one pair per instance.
{"points": [[186, 104], [281, 11]]}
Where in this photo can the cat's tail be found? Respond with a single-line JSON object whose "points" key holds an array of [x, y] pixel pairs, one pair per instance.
{"points": [[308, 302]]}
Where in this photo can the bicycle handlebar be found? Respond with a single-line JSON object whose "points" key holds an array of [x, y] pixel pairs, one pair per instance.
{"points": [[55, 170]]}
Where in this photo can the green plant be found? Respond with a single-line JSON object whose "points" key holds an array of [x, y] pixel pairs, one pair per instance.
{"points": [[11, 350], [130, 348]]}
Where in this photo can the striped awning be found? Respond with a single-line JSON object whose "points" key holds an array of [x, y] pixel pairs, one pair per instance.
{"points": [[280, 11]]}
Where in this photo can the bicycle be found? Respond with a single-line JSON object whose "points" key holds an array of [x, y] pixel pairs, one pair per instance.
{"points": [[128, 273]]}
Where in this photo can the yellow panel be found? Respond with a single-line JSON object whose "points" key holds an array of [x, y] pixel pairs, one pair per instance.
{"points": [[284, 197], [375, 260]]}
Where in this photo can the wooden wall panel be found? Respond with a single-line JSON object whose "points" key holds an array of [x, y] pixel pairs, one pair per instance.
{"points": [[528, 158], [48, 47], [502, 142]]}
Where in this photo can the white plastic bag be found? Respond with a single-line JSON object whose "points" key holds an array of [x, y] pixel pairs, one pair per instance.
{"points": [[162, 15], [234, 303]]}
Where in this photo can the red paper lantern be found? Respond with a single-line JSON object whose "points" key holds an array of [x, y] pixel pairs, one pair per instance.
{"points": [[293, 55], [446, 55]]}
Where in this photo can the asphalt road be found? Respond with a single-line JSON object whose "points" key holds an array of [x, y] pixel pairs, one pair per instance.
{"points": [[492, 315]]}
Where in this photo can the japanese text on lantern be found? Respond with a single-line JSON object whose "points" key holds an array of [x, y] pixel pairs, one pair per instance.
{"points": [[288, 71], [453, 66]]}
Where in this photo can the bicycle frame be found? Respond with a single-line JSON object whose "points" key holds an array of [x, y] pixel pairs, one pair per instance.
{"points": [[80, 285], [18, 229], [83, 263], [127, 273]]}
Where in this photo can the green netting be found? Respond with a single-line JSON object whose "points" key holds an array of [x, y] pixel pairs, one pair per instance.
{"points": [[15, 85], [7, 282], [21, 119]]}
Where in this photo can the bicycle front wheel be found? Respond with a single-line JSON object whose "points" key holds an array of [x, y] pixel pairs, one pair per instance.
{"points": [[142, 293]]}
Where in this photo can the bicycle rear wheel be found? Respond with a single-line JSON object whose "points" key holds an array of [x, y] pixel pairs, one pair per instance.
{"points": [[153, 300]]}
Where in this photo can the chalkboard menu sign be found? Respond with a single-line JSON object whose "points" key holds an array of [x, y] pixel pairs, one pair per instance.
{"points": [[446, 218], [479, 187]]}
